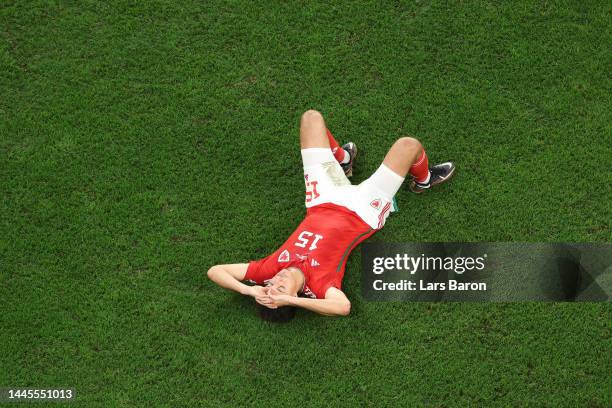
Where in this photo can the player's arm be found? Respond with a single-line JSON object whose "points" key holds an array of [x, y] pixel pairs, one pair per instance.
{"points": [[335, 303], [230, 277]]}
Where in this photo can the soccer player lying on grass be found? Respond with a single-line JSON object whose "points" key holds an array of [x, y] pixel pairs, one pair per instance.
{"points": [[307, 270]]}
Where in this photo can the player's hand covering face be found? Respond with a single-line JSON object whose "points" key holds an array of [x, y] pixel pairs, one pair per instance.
{"points": [[280, 300], [261, 295], [278, 290]]}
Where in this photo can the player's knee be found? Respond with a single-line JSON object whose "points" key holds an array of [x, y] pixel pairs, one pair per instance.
{"points": [[310, 116], [346, 309], [409, 145], [211, 272]]}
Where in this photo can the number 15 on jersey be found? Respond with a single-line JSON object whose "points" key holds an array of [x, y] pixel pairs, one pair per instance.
{"points": [[305, 237]]}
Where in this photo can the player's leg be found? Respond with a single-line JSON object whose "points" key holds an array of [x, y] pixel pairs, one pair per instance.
{"points": [[322, 172], [314, 134], [403, 155], [407, 156], [380, 188], [344, 155]]}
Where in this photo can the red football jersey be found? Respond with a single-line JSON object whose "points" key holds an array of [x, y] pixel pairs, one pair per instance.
{"points": [[319, 247]]}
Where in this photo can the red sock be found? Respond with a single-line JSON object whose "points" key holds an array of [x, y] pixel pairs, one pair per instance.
{"points": [[420, 168], [335, 147]]}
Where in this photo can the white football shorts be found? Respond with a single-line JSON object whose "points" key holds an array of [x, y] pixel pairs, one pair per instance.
{"points": [[372, 200]]}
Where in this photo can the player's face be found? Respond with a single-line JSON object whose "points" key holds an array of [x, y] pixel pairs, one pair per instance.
{"points": [[282, 283]]}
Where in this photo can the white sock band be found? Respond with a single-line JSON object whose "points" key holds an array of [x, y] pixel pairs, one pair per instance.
{"points": [[347, 157]]}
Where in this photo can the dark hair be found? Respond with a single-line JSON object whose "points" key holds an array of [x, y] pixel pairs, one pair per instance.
{"points": [[283, 314]]}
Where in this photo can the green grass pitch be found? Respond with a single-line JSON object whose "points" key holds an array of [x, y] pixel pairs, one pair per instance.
{"points": [[143, 142]]}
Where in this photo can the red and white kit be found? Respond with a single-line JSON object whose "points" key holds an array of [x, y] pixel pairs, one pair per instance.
{"points": [[339, 216]]}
